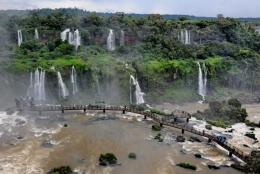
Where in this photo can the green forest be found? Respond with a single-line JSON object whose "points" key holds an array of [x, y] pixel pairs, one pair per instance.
{"points": [[154, 50]]}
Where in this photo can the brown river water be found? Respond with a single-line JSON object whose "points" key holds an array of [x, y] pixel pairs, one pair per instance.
{"points": [[23, 147]]}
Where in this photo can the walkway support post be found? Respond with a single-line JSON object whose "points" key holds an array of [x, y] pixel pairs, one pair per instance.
{"points": [[175, 119], [145, 117], [62, 111], [85, 110], [161, 124], [182, 131], [230, 154], [209, 140], [123, 111], [104, 111], [187, 119]]}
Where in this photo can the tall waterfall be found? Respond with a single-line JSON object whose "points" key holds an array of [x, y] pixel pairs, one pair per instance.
{"points": [[36, 35], [184, 36], [74, 38], [63, 91], [111, 41], [39, 84], [122, 38], [96, 82], [202, 81], [138, 93], [31, 85], [74, 80], [20, 37], [64, 34]]}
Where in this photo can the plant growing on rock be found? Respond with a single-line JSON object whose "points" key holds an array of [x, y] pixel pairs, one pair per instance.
{"points": [[132, 155]]}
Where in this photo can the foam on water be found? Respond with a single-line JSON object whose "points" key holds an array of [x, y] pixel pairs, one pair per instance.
{"points": [[40, 131]]}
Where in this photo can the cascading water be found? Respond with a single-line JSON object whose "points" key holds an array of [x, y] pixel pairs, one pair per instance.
{"points": [[36, 35], [122, 38], [74, 80], [64, 34], [31, 85], [138, 93], [111, 41], [95, 77], [202, 82], [39, 85], [20, 37], [74, 38], [182, 36], [63, 91]]}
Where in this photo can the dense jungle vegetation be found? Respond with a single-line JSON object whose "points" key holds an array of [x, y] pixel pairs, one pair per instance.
{"points": [[166, 68]]}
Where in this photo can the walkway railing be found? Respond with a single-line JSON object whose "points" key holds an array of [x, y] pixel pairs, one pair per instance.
{"points": [[162, 120]]}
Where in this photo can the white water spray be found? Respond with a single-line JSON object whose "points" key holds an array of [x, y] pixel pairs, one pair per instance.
{"points": [[202, 82], [74, 38], [111, 41], [74, 80], [122, 38], [36, 35], [138, 93], [64, 34], [20, 37], [63, 91], [39, 84]]}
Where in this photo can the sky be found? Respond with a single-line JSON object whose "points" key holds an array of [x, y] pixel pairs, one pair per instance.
{"points": [[209, 8]]}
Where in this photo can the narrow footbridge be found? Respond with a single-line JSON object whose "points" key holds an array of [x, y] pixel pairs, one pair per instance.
{"points": [[162, 120]]}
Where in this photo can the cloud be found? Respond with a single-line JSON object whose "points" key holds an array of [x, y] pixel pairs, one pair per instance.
{"points": [[231, 8]]}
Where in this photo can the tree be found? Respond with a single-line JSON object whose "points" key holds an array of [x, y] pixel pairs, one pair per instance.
{"points": [[253, 165]]}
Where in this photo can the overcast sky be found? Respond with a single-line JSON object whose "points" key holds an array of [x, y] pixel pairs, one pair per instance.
{"points": [[210, 8]]}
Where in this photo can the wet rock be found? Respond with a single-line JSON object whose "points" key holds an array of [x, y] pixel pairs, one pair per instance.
{"points": [[82, 161], [180, 139], [182, 151], [245, 145], [20, 137], [47, 143], [214, 167], [19, 122]]}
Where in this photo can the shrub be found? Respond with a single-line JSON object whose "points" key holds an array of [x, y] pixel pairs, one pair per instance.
{"points": [[61, 170], [65, 125], [161, 139], [187, 166], [252, 129], [197, 155], [108, 158], [235, 102], [208, 126], [103, 163], [156, 127], [132, 155]]}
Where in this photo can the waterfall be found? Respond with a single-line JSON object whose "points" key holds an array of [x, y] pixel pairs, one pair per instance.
{"points": [[111, 41], [31, 85], [64, 34], [96, 82], [186, 37], [63, 91], [20, 37], [182, 36], [36, 35], [74, 38], [39, 84], [138, 93], [202, 82], [122, 38], [74, 80]]}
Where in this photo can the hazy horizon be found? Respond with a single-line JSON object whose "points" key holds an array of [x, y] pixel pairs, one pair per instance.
{"points": [[203, 8]]}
